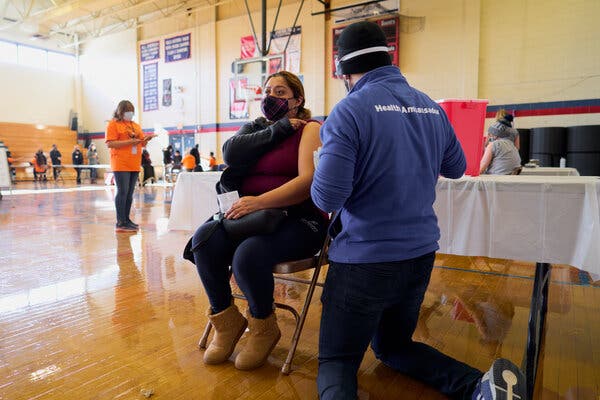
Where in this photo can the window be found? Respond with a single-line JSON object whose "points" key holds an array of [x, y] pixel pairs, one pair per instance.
{"points": [[8, 52], [61, 62], [36, 57], [32, 57]]}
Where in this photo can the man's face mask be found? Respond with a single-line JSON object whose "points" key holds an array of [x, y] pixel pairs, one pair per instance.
{"points": [[274, 108], [128, 115]]}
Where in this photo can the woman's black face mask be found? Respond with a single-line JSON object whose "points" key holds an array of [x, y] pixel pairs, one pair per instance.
{"points": [[274, 108]]}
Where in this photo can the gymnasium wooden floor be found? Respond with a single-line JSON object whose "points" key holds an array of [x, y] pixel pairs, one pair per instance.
{"points": [[89, 314]]}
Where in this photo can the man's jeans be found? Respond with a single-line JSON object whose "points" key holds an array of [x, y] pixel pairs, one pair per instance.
{"points": [[379, 303]]}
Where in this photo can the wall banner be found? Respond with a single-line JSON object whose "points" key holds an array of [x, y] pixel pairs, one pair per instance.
{"points": [[150, 86], [178, 48], [248, 47], [238, 109], [149, 51], [166, 97], [279, 39]]}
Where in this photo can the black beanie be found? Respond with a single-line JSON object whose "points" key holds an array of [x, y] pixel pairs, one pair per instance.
{"points": [[365, 36]]}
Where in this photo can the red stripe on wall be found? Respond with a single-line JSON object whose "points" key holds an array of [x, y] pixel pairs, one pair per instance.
{"points": [[550, 111]]}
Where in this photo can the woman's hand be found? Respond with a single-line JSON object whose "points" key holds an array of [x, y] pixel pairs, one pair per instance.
{"points": [[245, 205], [297, 123]]}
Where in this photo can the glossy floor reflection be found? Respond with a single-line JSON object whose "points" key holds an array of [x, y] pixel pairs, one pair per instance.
{"points": [[89, 314]]}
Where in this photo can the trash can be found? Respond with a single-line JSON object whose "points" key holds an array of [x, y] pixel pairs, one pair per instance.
{"points": [[467, 118]]}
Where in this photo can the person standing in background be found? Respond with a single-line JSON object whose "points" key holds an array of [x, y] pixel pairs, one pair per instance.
{"points": [[212, 162], [77, 158], [196, 154], [92, 155], [147, 167], [55, 157], [125, 140]]}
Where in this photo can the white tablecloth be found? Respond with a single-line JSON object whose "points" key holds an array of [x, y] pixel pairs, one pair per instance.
{"points": [[194, 199], [553, 219], [550, 171]]}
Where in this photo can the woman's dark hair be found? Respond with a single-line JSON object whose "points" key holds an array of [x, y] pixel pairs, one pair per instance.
{"points": [[297, 88], [122, 108]]}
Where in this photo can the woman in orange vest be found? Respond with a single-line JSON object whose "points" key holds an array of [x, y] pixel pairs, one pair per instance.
{"points": [[125, 140]]}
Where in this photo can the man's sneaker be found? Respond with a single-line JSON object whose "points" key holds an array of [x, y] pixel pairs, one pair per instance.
{"points": [[124, 227], [503, 381]]}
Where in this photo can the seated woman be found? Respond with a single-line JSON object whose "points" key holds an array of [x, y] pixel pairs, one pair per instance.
{"points": [[40, 165], [501, 156], [506, 119], [189, 161], [270, 164]]}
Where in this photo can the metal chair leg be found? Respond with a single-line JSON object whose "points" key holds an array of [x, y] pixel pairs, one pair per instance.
{"points": [[204, 338]]}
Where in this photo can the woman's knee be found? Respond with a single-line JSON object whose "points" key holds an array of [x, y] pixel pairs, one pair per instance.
{"points": [[252, 257]]}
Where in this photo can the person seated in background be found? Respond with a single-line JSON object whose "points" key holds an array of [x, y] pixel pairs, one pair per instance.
{"points": [[147, 167], [507, 119], [189, 161], [40, 165], [177, 160], [501, 156], [13, 171]]}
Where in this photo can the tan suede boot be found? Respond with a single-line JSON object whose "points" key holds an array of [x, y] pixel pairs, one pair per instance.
{"points": [[229, 325], [263, 335]]}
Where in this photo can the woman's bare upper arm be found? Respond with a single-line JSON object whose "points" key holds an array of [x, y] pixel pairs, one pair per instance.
{"points": [[309, 142]]}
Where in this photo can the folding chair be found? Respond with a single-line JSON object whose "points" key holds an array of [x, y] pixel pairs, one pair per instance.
{"points": [[289, 267]]}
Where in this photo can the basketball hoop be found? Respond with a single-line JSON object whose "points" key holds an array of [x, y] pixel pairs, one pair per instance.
{"points": [[254, 89]]}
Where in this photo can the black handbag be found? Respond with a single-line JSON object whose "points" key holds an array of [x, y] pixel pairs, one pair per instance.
{"points": [[261, 222]]}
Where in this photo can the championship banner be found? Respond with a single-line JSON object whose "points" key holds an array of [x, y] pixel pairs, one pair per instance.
{"points": [[150, 86], [279, 39], [178, 48], [238, 109], [150, 51]]}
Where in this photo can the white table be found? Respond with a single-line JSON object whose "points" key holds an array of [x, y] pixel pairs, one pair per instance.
{"points": [[550, 171], [548, 219], [544, 219], [194, 200]]}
